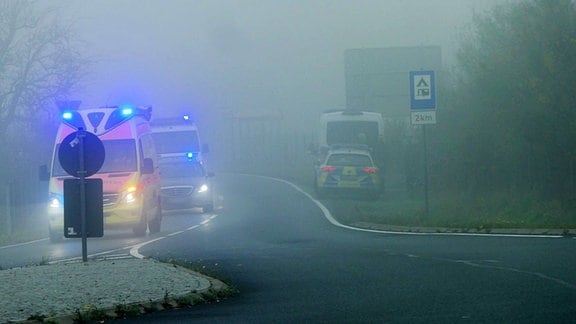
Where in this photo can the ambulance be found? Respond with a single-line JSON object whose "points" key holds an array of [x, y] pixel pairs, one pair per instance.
{"points": [[130, 176], [178, 136], [185, 182]]}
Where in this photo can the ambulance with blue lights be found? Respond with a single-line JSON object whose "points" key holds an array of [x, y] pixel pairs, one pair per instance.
{"points": [[185, 181], [177, 136], [130, 176]]}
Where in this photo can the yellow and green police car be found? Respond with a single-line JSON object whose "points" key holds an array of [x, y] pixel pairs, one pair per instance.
{"points": [[348, 172]]}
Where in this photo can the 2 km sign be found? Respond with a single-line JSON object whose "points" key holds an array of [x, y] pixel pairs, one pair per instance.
{"points": [[422, 97]]}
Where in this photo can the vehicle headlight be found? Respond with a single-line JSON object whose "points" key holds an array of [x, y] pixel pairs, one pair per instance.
{"points": [[130, 195], [203, 188], [55, 202]]}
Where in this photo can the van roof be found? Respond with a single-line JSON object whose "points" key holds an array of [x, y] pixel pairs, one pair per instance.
{"points": [[104, 119]]}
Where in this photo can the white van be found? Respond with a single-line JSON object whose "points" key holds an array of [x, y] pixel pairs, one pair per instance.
{"points": [[130, 176]]}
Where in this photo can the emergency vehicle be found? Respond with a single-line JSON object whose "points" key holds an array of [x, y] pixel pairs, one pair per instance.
{"points": [[130, 177], [348, 171], [345, 127], [178, 136], [185, 181]]}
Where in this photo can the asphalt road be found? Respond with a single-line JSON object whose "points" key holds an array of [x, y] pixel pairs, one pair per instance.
{"points": [[291, 264]]}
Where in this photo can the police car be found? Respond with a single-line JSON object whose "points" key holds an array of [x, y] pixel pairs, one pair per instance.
{"points": [[347, 172]]}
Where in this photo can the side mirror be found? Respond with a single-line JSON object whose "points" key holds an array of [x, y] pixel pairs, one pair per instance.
{"points": [[43, 173], [147, 166]]}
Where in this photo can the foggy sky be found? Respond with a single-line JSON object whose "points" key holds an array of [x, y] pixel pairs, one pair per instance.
{"points": [[247, 56]]}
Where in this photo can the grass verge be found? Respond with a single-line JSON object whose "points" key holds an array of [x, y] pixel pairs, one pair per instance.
{"points": [[494, 211], [455, 211]]}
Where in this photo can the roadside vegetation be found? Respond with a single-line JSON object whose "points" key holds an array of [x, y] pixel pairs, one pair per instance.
{"points": [[503, 153], [495, 212], [41, 63]]}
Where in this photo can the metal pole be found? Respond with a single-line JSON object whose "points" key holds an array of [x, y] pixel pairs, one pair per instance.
{"points": [[426, 204], [82, 175]]}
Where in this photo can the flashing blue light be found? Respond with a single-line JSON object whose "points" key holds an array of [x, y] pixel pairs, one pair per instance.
{"points": [[186, 117], [67, 115], [127, 111], [192, 156]]}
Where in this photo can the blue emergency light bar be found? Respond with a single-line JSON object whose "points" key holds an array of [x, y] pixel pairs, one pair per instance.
{"points": [[73, 118], [127, 111], [67, 115]]}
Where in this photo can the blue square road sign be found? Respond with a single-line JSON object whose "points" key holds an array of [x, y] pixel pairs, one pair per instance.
{"points": [[422, 90]]}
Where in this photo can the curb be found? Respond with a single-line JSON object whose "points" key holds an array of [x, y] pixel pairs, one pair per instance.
{"points": [[485, 231]]}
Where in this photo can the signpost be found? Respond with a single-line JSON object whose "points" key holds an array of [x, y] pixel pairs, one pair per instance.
{"points": [[423, 97], [81, 154], [423, 112]]}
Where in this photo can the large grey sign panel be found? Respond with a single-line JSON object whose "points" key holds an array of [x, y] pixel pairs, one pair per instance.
{"points": [[377, 79]]}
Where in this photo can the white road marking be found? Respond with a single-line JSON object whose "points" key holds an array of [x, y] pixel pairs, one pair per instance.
{"points": [[22, 244], [332, 220], [536, 274], [134, 250]]}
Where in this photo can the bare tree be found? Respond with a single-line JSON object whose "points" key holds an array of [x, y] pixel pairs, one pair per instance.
{"points": [[40, 63]]}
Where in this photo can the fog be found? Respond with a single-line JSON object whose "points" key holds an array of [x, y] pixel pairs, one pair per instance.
{"points": [[280, 61], [247, 57]]}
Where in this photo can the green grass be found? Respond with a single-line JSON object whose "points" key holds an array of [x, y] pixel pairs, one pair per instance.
{"points": [[494, 211], [491, 211]]}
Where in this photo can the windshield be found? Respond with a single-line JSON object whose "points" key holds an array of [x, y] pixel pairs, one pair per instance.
{"points": [[176, 142], [120, 156], [180, 170]]}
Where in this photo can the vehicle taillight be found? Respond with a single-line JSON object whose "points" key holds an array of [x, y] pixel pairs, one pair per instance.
{"points": [[328, 169], [370, 170]]}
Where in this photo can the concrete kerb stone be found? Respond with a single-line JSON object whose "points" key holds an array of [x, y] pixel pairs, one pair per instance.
{"points": [[431, 230]]}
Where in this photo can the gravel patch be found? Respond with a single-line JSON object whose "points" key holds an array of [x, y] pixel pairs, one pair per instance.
{"points": [[63, 288]]}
